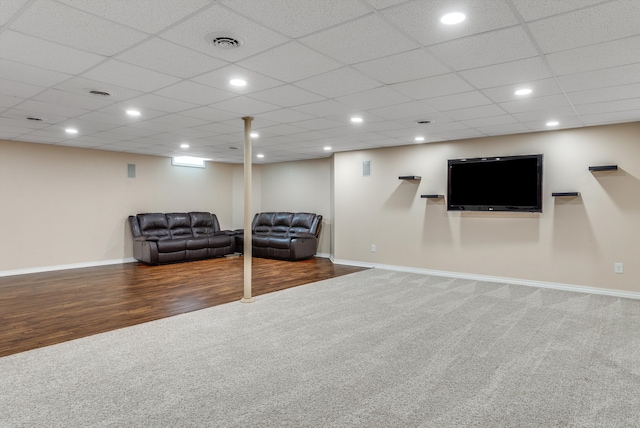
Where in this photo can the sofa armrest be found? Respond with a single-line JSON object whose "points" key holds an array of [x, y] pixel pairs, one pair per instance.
{"points": [[302, 235]]}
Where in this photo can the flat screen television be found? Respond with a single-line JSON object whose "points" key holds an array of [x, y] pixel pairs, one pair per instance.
{"points": [[506, 183]]}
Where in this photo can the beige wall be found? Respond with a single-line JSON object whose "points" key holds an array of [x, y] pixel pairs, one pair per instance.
{"points": [[302, 186], [62, 205], [574, 241]]}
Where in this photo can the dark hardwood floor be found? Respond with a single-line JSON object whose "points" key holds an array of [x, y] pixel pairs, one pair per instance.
{"points": [[42, 309]]}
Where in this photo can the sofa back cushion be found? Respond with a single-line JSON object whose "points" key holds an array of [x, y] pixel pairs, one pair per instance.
{"points": [[286, 222], [154, 224], [203, 223], [179, 225], [305, 222]]}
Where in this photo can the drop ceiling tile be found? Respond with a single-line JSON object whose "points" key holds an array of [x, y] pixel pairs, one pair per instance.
{"points": [[298, 21], [374, 98], [493, 121], [69, 99], [245, 106], [608, 107], [285, 115], [195, 93], [532, 10], [514, 128], [121, 108], [9, 9], [82, 86], [70, 27], [545, 115], [336, 83], [360, 40], [539, 87], [600, 95], [132, 132], [458, 101], [222, 128], [421, 19], [209, 114], [16, 89], [505, 45], [594, 57], [287, 96], [521, 71], [23, 73], [129, 76], [600, 23], [169, 58], [476, 112], [7, 101], [459, 135], [327, 108], [179, 121], [149, 15], [403, 67], [283, 129], [290, 62], [150, 106], [565, 123], [533, 104], [383, 4], [626, 74], [431, 87], [613, 117], [192, 33], [413, 110], [220, 79], [51, 109], [112, 119], [86, 126], [21, 113], [44, 54], [318, 124]]}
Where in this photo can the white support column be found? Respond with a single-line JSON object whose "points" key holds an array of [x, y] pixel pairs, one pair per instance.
{"points": [[248, 218]]}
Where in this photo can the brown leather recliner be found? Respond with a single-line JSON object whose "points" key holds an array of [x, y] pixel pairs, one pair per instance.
{"points": [[176, 237], [283, 235]]}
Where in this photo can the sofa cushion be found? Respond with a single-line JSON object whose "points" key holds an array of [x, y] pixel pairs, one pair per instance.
{"points": [[302, 222], [154, 224], [179, 225], [172, 245], [203, 223], [263, 222]]}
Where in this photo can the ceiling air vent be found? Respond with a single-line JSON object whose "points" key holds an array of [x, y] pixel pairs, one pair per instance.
{"points": [[224, 40], [37, 119], [99, 93], [423, 122]]}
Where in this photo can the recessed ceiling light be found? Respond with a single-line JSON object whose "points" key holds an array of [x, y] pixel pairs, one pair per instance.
{"points": [[356, 119], [184, 146], [133, 113], [260, 155], [71, 131], [523, 91], [254, 135], [327, 148], [553, 123], [418, 139], [453, 18], [238, 82]]}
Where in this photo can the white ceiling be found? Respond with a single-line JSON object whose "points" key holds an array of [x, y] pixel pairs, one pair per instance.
{"points": [[310, 66]]}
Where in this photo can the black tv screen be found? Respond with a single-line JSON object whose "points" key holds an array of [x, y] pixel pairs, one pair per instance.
{"points": [[508, 183]]}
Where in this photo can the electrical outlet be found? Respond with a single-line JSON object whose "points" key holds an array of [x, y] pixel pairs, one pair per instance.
{"points": [[373, 248], [618, 268]]}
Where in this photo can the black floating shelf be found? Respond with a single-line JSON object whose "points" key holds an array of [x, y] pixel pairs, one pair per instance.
{"points": [[432, 196], [604, 168], [571, 194], [410, 177]]}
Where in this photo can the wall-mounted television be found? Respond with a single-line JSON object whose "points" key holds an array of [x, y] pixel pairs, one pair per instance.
{"points": [[506, 183]]}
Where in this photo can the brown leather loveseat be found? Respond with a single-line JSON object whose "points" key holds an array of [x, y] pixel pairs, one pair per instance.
{"points": [[175, 237], [283, 235]]}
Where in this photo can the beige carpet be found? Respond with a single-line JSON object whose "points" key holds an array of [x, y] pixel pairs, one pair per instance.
{"points": [[370, 349]]}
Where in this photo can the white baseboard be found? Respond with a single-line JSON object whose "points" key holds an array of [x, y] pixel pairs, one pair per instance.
{"points": [[323, 255], [502, 280], [64, 267]]}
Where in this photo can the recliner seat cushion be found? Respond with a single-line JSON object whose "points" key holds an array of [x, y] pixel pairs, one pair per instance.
{"points": [[179, 225], [203, 223]]}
